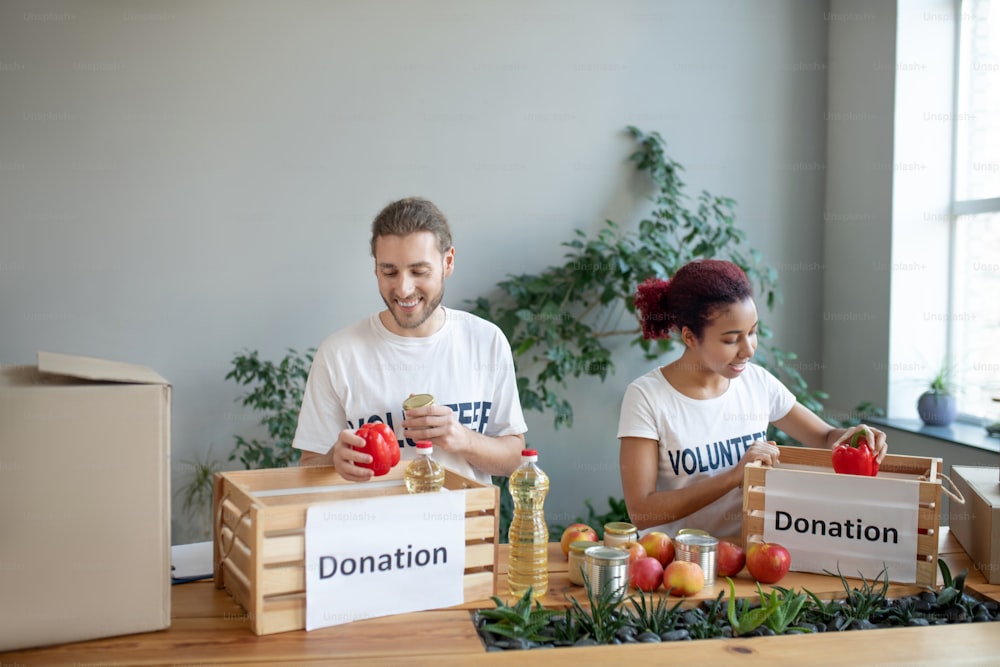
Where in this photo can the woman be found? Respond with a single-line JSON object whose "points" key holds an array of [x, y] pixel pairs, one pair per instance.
{"points": [[687, 429]]}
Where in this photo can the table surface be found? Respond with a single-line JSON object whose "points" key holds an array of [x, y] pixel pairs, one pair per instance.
{"points": [[208, 627]]}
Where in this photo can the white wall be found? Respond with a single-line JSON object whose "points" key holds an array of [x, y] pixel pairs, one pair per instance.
{"points": [[184, 180]]}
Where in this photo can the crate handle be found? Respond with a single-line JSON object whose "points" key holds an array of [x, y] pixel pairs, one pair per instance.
{"points": [[955, 495]]}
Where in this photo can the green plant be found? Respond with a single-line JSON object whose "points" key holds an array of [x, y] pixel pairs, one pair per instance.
{"points": [[656, 617], [705, 624], [787, 605], [196, 495], [276, 392], [862, 603], [821, 610], [941, 382], [745, 618], [557, 321], [522, 621], [603, 619], [952, 590]]}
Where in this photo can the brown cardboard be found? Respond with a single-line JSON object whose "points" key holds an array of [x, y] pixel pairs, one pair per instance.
{"points": [[976, 524], [84, 501]]}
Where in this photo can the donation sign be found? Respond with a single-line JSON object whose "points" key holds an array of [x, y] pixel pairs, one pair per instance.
{"points": [[372, 557], [844, 523]]}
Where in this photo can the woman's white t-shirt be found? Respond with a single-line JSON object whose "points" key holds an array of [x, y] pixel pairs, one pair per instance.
{"points": [[700, 438]]}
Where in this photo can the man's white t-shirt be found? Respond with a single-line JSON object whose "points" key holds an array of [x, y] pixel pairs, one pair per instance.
{"points": [[364, 372], [702, 438]]}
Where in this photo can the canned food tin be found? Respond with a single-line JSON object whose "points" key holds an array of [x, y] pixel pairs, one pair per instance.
{"points": [[578, 560], [619, 534], [701, 549], [607, 569], [692, 531], [418, 401]]}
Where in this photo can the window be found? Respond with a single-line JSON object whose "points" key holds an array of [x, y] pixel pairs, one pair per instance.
{"points": [[974, 323]]}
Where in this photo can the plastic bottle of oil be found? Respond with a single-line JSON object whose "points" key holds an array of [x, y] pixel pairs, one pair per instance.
{"points": [[423, 474], [528, 534]]}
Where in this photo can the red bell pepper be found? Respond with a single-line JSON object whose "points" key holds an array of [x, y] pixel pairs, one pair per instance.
{"points": [[381, 445], [856, 456]]}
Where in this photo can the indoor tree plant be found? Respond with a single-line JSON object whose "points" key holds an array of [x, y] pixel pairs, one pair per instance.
{"points": [[558, 320]]}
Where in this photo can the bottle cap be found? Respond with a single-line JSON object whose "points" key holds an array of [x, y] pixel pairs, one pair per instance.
{"points": [[424, 446], [529, 452]]}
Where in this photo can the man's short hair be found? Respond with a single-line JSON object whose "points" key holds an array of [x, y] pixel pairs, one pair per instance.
{"points": [[410, 215]]}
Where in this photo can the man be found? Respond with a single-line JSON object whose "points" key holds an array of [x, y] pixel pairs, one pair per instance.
{"points": [[364, 372]]}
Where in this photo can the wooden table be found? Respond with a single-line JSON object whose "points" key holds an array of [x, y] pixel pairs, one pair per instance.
{"points": [[209, 628]]}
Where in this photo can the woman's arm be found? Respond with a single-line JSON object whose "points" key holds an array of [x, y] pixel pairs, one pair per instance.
{"points": [[803, 425]]}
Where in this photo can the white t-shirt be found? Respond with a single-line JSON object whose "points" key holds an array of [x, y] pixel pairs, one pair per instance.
{"points": [[702, 438], [363, 373]]}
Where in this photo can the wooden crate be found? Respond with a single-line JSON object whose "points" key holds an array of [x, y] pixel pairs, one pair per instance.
{"points": [[259, 541], [924, 471]]}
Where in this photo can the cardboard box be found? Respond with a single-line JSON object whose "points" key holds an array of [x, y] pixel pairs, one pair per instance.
{"points": [[921, 474], [260, 520], [976, 524], [84, 501]]}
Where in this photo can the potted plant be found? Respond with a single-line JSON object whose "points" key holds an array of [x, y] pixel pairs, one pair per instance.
{"points": [[937, 405]]}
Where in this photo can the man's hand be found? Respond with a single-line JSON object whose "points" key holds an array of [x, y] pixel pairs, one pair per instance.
{"points": [[346, 457], [437, 423]]}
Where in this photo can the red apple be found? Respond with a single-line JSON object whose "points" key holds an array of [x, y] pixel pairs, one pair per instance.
{"points": [[768, 562], [659, 546], [729, 559], [576, 532], [635, 552], [683, 578], [646, 574]]}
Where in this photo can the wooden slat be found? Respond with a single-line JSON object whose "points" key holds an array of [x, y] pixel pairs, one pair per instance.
{"points": [[237, 584], [237, 553]]}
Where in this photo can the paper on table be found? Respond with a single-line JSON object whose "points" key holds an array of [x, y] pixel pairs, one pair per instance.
{"points": [[190, 562]]}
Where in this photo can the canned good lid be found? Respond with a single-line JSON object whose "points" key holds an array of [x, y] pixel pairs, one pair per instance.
{"points": [[418, 401], [620, 528], [692, 531], [695, 540], [603, 555], [580, 546]]}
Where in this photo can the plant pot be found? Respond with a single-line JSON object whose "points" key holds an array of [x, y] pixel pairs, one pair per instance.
{"points": [[937, 409]]}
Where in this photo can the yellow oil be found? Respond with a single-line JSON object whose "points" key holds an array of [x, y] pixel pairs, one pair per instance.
{"points": [[528, 534], [423, 475]]}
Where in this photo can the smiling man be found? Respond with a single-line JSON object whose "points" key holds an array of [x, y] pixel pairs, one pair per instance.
{"points": [[363, 373]]}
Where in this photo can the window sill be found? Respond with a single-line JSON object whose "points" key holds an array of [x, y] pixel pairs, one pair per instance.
{"points": [[959, 433]]}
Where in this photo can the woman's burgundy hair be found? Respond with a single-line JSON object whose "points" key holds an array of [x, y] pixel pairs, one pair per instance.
{"points": [[690, 298]]}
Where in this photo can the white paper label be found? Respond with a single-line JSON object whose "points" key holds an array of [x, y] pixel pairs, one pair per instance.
{"points": [[848, 523], [387, 555]]}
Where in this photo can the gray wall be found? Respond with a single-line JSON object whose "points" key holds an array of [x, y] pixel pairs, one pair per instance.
{"points": [[183, 180]]}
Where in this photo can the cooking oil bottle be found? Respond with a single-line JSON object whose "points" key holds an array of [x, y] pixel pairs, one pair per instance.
{"points": [[528, 534], [423, 474]]}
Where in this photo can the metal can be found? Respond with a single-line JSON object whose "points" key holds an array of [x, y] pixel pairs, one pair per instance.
{"points": [[701, 549], [607, 569], [417, 401], [578, 560], [619, 534], [692, 531]]}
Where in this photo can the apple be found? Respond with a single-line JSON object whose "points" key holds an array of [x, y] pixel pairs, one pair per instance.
{"points": [[729, 559], [646, 574], [683, 578], [576, 532], [635, 552], [768, 562], [659, 546]]}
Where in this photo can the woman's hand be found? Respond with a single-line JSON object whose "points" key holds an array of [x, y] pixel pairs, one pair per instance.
{"points": [[877, 441], [765, 452]]}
